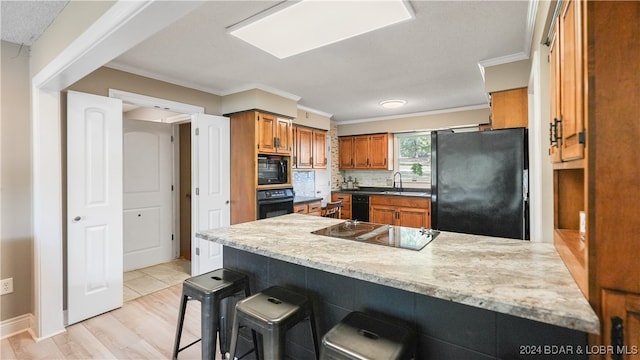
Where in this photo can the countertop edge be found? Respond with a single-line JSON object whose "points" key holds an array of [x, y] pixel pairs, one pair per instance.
{"points": [[542, 315]]}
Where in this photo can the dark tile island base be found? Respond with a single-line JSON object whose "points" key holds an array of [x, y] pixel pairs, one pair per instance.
{"points": [[447, 330]]}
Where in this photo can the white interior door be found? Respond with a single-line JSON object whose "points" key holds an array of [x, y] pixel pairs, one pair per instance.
{"points": [[94, 205], [211, 186], [148, 213]]}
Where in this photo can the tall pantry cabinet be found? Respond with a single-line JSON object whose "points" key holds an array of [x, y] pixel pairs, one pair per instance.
{"points": [[595, 147]]}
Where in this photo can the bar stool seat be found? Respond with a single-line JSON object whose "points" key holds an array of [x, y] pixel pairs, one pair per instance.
{"points": [[360, 336], [210, 288], [271, 313]]}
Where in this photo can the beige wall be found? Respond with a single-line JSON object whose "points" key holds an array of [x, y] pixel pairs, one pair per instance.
{"points": [[76, 17], [259, 99], [424, 122], [507, 76], [16, 245], [313, 120], [99, 82]]}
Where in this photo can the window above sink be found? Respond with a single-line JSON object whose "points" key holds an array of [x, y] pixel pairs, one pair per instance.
{"points": [[412, 158]]}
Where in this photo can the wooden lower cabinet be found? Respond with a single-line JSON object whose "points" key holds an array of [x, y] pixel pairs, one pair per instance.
{"points": [[301, 208], [402, 211], [621, 324], [315, 208], [345, 212], [312, 208]]}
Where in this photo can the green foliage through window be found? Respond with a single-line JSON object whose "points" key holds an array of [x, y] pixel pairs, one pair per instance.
{"points": [[413, 157]]}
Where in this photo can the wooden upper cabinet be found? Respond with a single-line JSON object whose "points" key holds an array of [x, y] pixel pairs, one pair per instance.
{"points": [[284, 136], [345, 152], [571, 80], [319, 145], [509, 109], [370, 152], [379, 151], [567, 78], [266, 135], [310, 148], [274, 134], [304, 138], [361, 152], [554, 98]]}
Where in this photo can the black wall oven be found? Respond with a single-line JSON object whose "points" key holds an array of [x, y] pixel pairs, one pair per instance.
{"points": [[274, 202], [273, 170]]}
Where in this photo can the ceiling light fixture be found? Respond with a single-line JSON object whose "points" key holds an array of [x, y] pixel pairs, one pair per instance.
{"points": [[293, 27], [392, 104]]}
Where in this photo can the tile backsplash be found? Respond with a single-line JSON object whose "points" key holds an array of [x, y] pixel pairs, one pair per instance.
{"points": [[374, 178], [304, 183]]}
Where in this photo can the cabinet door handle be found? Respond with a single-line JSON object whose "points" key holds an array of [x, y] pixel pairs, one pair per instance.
{"points": [[558, 130], [617, 337]]}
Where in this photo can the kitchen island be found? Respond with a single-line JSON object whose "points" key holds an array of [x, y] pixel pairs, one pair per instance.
{"points": [[469, 296]]}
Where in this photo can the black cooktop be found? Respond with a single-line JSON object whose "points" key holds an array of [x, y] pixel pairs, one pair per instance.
{"points": [[387, 235]]}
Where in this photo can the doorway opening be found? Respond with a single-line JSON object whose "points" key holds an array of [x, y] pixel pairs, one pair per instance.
{"points": [[172, 119], [157, 186]]}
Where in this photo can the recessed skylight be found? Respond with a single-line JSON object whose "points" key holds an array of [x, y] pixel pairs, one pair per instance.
{"points": [[392, 104], [294, 27]]}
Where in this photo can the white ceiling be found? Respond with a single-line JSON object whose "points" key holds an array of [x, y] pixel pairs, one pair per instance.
{"points": [[24, 21], [431, 61]]}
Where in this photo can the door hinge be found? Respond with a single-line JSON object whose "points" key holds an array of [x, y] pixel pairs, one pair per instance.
{"points": [[582, 137], [197, 131], [172, 237], [197, 191], [171, 187], [171, 138], [198, 251]]}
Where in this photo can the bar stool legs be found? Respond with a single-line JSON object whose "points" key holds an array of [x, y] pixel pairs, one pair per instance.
{"points": [[209, 289], [271, 313]]}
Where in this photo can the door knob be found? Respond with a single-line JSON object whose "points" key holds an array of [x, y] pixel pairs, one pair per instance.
{"points": [[226, 202], [76, 219]]}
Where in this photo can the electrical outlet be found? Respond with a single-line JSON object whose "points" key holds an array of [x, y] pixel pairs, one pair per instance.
{"points": [[6, 287]]}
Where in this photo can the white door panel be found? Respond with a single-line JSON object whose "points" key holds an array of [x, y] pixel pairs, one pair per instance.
{"points": [[94, 205], [148, 212], [211, 184]]}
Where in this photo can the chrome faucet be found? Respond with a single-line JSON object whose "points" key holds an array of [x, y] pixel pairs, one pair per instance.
{"points": [[394, 180]]}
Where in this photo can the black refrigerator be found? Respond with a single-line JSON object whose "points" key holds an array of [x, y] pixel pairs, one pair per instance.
{"points": [[480, 182]]}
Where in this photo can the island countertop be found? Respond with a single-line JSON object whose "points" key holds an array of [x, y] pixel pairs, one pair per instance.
{"points": [[515, 277]]}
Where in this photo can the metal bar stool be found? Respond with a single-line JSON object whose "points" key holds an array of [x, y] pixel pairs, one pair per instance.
{"points": [[210, 288], [271, 313], [363, 337]]}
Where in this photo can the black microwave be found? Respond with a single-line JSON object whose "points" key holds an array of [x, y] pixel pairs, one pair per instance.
{"points": [[273, 170]]}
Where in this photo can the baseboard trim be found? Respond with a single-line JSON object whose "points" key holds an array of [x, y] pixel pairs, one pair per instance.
{"points": [[16, 325]]}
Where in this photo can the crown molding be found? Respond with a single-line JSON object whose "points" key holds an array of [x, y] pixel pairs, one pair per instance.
{"points": [[424, 113], [317, 112]]}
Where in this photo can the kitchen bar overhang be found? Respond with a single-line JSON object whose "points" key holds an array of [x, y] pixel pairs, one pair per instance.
{"points": [[519, 278]]}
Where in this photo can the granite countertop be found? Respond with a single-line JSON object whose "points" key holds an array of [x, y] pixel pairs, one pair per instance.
{"points": [[520, 278], [305, 199]]}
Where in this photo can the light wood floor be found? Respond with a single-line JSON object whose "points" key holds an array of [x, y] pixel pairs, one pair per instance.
{"points": [[143, 328]]}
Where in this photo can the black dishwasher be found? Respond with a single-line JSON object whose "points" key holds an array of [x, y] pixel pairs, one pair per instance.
{"points": [[360, 207]]}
